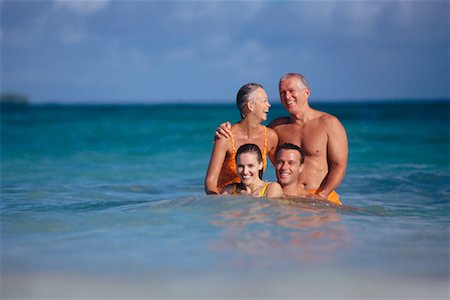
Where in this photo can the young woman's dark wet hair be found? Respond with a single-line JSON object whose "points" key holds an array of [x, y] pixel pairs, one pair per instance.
{"points": [[246, 148], [245, 95]]}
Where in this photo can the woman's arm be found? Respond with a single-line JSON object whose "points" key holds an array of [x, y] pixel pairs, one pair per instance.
{"points": [[215, 165], [272, 145]]}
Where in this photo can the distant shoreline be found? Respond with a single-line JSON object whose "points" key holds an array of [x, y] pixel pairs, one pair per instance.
{"points": [[232, 103]]}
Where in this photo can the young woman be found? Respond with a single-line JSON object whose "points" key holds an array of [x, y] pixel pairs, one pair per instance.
{"points": [[249, 164], [253, 104]]}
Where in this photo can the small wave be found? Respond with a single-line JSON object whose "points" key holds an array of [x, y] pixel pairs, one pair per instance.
{"points": [[175, 202], [374, 210]]}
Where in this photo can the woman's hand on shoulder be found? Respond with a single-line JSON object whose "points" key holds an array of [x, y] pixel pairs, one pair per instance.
{"points": [[223, 131]]}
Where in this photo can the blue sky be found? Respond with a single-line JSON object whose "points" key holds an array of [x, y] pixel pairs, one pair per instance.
{"points": [[203, 51]]}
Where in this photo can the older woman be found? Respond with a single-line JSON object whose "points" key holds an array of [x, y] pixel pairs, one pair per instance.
{"points": [[253, 104]]}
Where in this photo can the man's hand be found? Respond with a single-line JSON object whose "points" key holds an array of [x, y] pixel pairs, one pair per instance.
{"points": [[320, 196], [223, 131]]}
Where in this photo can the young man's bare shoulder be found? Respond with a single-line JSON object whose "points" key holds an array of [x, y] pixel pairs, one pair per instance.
{"points": [[230, 189], [279, 121]]}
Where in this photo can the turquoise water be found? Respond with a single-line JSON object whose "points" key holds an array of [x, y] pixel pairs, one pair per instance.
{"points": [[115, 194]]}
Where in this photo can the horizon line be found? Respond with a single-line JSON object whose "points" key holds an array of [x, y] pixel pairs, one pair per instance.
{"points": [[221, 102]]}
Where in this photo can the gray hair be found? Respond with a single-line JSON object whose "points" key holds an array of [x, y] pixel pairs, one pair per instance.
{"points": [[300, 77], [245, 95]]}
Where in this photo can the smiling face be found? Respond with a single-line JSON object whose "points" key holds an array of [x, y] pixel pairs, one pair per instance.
{"points": [[293, 94], [260, 104], [248, 167], [288, 166]]}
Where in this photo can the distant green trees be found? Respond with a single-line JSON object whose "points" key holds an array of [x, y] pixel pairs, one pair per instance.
{"points": [[13, 99]]}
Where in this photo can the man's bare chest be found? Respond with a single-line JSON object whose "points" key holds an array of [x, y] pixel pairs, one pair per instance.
{"points": [[312, 138]]}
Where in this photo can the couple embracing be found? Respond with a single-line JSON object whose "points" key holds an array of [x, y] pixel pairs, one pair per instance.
{"points": [[319, 136]]}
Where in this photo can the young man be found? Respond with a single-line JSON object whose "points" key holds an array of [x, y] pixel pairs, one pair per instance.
{"points": [[289, 165]]}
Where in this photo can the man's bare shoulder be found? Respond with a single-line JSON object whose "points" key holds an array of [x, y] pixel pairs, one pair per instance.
{"points": [[328, 119], [331, 123], [229, 189], [273, 138], [271, 132], [279, 121]]}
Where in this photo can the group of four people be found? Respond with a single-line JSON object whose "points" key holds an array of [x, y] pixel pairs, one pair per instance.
{"points": [[309, 148]]}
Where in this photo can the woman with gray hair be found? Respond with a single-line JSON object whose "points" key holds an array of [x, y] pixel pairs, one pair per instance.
{"points": [[253, 105]]}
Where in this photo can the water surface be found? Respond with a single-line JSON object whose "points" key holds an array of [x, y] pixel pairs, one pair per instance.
{"points": [[100, 201]]}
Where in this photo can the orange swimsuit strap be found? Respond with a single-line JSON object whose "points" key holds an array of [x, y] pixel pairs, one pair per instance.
{"points": [[228, 175], [264, 151], [263, 191]]}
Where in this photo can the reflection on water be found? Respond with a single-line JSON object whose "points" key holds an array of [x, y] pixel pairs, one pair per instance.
{"points": [[270, 233]]}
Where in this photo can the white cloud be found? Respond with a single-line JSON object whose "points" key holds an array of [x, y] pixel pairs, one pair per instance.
{"points": [[82, 7], [75, 31], [181, 54], [217, 41], [251, 58], [73, 36], [218, 12], [64, 21], [362, 18]]}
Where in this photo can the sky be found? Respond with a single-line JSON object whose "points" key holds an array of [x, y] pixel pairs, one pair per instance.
{"points": [[204, 51]]}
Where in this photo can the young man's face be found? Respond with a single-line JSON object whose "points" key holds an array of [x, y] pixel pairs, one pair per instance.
{"points": [[288, 166]]}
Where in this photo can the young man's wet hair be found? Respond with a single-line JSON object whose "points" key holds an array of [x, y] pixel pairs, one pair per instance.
{"points": [[289, 146]]}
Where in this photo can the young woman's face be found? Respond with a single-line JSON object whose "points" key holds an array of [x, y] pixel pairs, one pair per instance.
{"points": [[248, 167]]}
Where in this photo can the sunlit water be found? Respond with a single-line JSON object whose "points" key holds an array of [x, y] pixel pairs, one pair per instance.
{"points": [[100, 201]]}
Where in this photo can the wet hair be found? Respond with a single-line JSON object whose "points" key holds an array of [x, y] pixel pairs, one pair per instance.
{"points": [[300, 77], [244, 95], [289, 146], [249, 148]]}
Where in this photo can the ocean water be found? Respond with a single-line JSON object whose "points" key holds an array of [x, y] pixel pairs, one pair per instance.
{"points": [[107, 201]]}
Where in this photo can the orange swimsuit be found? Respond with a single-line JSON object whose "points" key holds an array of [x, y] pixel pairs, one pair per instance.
{"points": [[228, 174], [332, 197]]}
